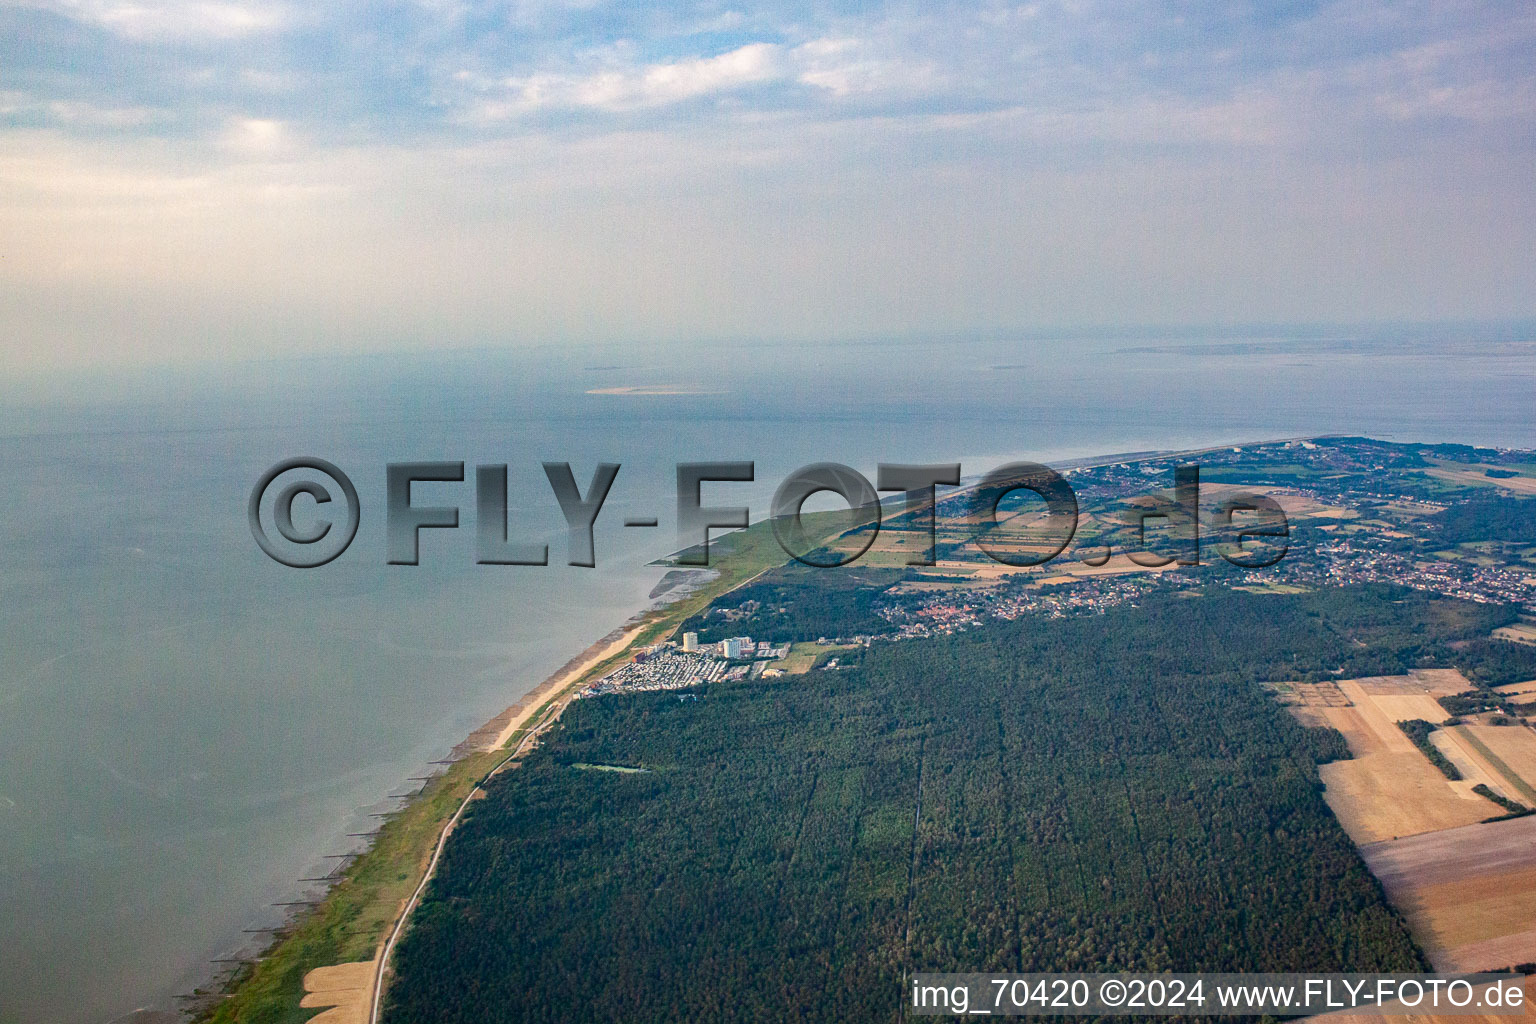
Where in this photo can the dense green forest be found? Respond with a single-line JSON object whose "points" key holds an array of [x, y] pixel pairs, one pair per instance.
{"points": [[799, 602], [1102, 792], [1488, 662], [1512, 520]]}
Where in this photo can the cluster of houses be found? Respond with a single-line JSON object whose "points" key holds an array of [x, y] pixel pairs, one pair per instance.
{"points": [[671, 666]]}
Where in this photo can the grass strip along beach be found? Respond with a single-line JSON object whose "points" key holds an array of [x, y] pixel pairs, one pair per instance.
{"points": [[362, 908]]}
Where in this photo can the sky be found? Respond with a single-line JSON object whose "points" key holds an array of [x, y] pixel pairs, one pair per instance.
{"points": [[217, 179]]}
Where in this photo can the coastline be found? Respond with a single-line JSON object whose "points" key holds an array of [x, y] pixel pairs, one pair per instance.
{"points": [[318, 958], [499, 729], [515, 733], [349, 987]]}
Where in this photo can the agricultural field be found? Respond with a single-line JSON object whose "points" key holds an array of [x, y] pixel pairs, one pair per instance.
{"points": [[1455, 747], [1520, 632], [1468, 893], [1507, 754], [344, 992], [1523, 482], [1524, 1016], [1272, 588], [1388, 788], [804, 656], [1465, 884]]}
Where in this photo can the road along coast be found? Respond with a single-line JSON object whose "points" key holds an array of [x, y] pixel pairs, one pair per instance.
{"points": [[368, 905]]}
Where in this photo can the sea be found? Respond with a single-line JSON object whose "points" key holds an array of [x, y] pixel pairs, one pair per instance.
{"points": [[189, 728]]}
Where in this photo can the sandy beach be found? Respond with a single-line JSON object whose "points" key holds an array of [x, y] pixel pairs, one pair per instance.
{"points": [[501, 729]]}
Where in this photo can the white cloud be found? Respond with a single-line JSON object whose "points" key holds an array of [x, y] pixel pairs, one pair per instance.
{"points": [[840, 67], [89, 115], [256, 137], [635, 88], [847, 67], [668, 83], [76, 114], [886, 169], [1451, 79], [181, 20]]}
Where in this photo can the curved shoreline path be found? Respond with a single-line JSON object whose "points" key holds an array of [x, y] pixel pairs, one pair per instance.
{"points": [[377, 1001], [551, 696], [567, 676]]}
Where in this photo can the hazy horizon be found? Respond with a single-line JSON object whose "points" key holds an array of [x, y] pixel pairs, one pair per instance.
{"points": [[59, 387], [243, 177]]}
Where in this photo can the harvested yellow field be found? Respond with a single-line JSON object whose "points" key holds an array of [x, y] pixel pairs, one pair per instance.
{"points": [[1432, 682], [1509, 751], [1332, 513], [1296, 504], [1064, 568], [1475, 476], [1466, 887], [1474, 770], [346, 988], [1384, 725], [1389, 789], [1117, 564], [1384, 796], [1527, 1014], [1518, 689], [1406, 707], [1469, 894], [1520, 633], [992, 570], [1438, 682]]}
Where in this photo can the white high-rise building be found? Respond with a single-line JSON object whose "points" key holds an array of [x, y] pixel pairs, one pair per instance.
{"points": [[690, 641], [731, 648]]}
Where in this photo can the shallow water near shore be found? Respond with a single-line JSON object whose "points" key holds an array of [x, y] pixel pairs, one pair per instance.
{"points": [[188, 728]]}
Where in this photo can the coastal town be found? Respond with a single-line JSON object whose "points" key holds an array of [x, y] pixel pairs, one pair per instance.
{"points": [[1358, 512], [669, 665]]}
